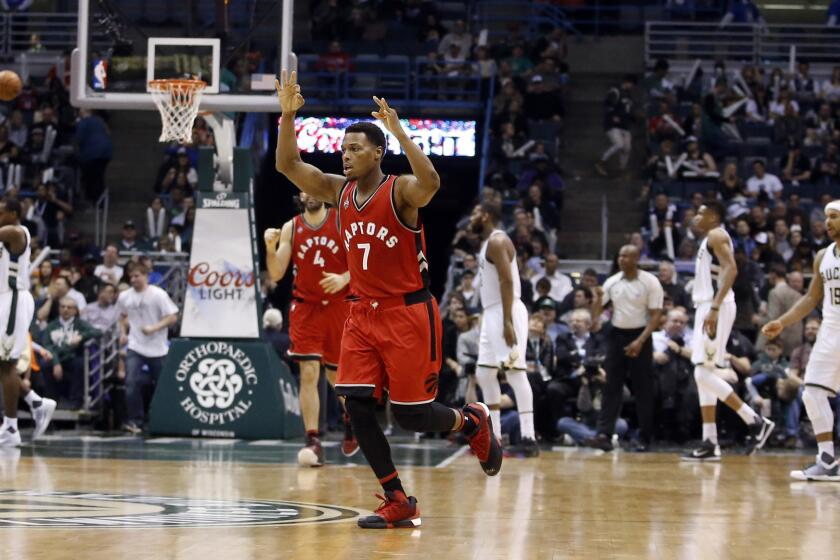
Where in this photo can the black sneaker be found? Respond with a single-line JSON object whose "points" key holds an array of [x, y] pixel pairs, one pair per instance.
{"points": [[638, 446], [759, 434], [600, 441], [707, 451], [525, 448]]}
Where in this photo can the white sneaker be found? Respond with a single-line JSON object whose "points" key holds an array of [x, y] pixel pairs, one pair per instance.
{"points": [[10, 437], [42, 416]]}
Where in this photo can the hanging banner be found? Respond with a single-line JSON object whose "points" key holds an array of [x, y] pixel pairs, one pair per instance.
{"points": [[221, 295]]}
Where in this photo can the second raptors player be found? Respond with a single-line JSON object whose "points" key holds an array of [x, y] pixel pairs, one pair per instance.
{"points": [[391, 340], [310, 241]]}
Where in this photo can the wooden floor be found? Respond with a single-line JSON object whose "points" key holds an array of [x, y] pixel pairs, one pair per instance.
{"points": [[126, 498]]}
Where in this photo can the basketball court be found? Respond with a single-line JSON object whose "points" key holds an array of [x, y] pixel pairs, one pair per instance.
{"points": [[99, 497]]}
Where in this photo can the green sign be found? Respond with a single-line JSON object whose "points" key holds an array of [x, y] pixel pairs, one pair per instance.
{"points": [[225, 388]]}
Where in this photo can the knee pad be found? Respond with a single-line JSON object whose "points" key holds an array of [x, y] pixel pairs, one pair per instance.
{"points": [[414, 418]]}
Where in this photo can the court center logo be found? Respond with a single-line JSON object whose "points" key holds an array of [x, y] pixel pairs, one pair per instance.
{"points": [[20, 508], [216, 383]]}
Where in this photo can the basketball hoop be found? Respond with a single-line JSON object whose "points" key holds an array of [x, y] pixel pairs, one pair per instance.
{"points": [[177, 101]]}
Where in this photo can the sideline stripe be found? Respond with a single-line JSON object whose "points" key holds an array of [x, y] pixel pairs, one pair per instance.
{"points": [[448, 461]]}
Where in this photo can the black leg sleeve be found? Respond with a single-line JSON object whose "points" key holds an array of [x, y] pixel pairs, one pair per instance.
{"points": [[369, 434], [429, 417]]}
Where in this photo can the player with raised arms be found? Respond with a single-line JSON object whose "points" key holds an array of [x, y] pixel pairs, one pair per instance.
{"points": [[392, 338]]}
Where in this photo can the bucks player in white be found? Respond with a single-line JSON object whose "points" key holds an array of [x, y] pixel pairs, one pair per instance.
{"points": [[822, 374], [714, 274], [503, 336], [16, 310]]}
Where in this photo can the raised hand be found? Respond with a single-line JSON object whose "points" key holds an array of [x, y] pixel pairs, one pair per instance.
{"points": [[288, 92], [272, 237], [387, 115]]}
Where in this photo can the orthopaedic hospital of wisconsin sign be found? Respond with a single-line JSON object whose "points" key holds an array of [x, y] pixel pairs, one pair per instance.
{"points": [[19, 508]]}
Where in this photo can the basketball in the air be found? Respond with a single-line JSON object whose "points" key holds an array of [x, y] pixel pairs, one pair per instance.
{"points": [[10, 85]]}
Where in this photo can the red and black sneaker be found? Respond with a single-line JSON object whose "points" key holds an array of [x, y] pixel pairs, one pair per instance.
{"points": [[483, 443], [349, 445], [312, 455], [396, 512]]}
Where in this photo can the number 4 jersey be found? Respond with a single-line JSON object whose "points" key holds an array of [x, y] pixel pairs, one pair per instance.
{"points": [[386, 257], [316, 250]]}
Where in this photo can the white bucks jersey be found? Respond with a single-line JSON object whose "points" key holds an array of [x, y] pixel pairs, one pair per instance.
{"points": [[830, 274], [14, 270], [489, 286], [706, 274]]}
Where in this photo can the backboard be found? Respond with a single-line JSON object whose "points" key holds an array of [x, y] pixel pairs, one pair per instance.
{"points": [[122, 46]]}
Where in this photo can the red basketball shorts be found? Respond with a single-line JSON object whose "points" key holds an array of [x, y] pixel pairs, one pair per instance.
{"points": [[315, 330], [391, 346]]}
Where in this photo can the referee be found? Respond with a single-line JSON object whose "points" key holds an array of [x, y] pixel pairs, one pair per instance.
{"points": [[636, 298]]}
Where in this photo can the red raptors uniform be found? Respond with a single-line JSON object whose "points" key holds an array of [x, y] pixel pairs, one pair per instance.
{"points": [[392, 336], [316, 319]]}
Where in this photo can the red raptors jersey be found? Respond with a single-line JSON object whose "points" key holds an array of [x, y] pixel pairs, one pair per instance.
{"points": [[386, 258], [316, 250]]}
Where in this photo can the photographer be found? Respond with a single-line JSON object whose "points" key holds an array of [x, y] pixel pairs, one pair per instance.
{"points": [[674, 373], [539, 360], [577, 352], [589, 398]]}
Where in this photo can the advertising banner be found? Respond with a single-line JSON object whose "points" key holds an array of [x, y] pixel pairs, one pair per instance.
{"points": [[232, 389], [221, 296]]}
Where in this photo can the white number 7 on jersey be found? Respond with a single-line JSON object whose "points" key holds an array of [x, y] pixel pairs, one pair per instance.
{"points": [[366, 248]]}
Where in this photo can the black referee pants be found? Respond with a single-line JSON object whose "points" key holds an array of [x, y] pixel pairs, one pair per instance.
{"points": [[640, 370]]}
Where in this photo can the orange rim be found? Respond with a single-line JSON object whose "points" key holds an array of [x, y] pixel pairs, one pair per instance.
{"points": [[182, 85]]}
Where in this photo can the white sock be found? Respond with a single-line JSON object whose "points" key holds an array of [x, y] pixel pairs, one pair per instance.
{"points": [[825, 447], [10, 422], [747, 414], [31, 397], [710, 432], [526, 425], [496, 417]]}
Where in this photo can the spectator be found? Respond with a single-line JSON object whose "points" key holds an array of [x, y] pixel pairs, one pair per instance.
{"points": [[146, 313], [730, 186], [547, 307], [273, 328], [156, 222], [588, 280], [789, 127], [467, 290], [819, 237], [18, 131], [102, 314], [671, 284], [742, 11], [827, 167], [335, 60], [546, 214], [766, 371], [795, 166], [109, 271], [430, 31], [617, 121], [831, 87], [95, 152], [820, 128], [65, 338], [539, 360], [674, 376], [560, 283], [779, 300], [580, 355], [457, 36], [129, 241], [697, 164], [761, 181], [543, 98], [58, 290]]}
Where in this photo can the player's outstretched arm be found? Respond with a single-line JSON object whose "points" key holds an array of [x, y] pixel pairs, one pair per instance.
{"points": [[801, 308], [308, 178], [415, 191], [278, 250]]}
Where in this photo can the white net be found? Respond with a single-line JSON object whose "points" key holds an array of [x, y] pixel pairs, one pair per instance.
{"points": [[177, 101]]}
